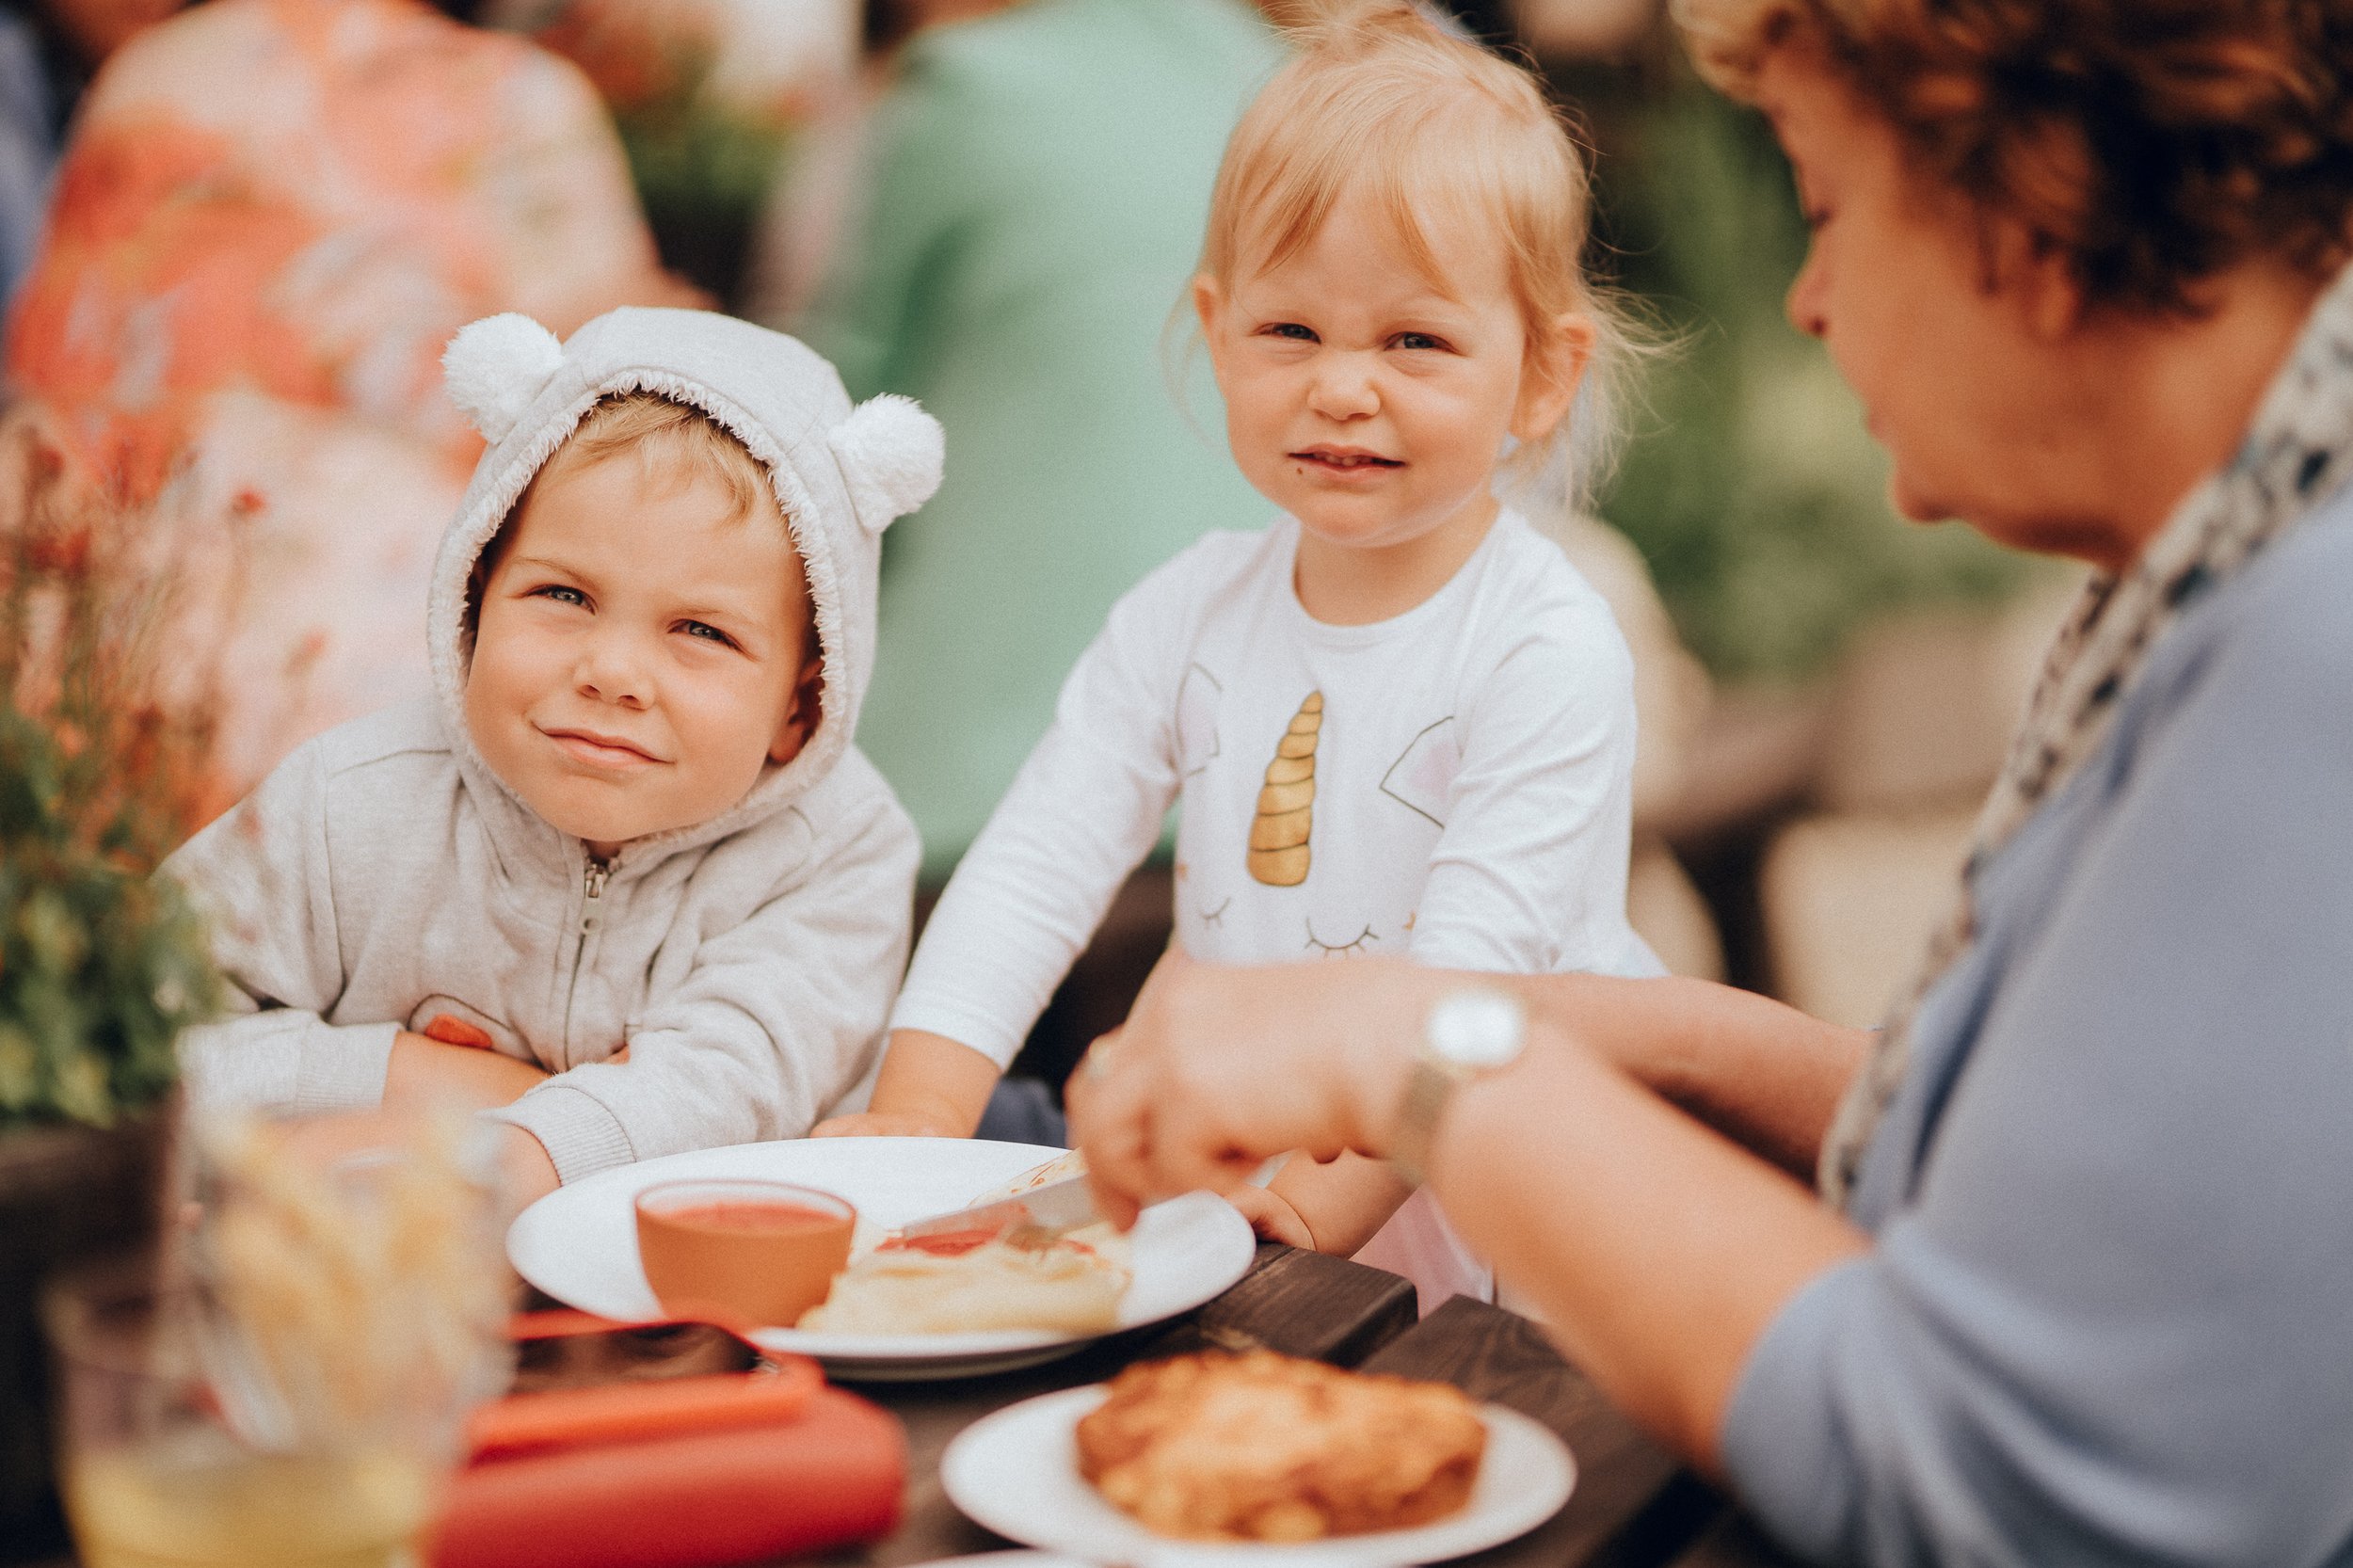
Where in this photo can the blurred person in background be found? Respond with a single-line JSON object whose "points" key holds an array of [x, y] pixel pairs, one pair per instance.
{"points": [[47, 53], [1036, 178], [711, 98], [270, 217], [1020, 210]]}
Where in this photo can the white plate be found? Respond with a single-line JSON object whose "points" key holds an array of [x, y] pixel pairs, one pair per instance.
{"points": [[579, 1244], [1017, 1472]]}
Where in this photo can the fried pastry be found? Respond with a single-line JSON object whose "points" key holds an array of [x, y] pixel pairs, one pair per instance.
{"points": [[1265, 1447]]}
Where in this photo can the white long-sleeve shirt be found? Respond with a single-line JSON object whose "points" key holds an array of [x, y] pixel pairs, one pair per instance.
{"points": [[1459, 779], [1471, 770]]}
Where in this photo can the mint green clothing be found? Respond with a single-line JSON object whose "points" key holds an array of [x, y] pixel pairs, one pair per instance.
{"points": [[1039, 180]]}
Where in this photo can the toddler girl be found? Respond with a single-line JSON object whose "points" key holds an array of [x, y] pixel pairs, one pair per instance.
{"points": [[1398, 721]]}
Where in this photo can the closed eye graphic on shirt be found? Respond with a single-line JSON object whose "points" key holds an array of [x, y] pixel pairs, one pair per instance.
{"points": [[1278, 838]]}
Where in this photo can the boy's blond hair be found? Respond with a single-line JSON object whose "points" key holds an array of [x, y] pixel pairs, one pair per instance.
{"points": [[666, 438], [1434, 126]]}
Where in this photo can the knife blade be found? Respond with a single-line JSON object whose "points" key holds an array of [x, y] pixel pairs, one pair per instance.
{"points": [[1038, 1215]]}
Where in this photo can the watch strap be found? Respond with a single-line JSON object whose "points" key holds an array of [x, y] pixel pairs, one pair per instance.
{"points": [[1427, 1092]]}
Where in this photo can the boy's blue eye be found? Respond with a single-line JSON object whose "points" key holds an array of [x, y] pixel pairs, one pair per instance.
{"points": [[1419, 340], [560, 593], [707, 632], [1291, 330]]}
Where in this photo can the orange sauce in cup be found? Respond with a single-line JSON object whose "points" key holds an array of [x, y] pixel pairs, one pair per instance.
{"points": [[759, 1252], [764, 1218]]}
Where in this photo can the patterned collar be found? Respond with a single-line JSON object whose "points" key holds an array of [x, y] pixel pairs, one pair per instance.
{"points": [[2297, 451]]}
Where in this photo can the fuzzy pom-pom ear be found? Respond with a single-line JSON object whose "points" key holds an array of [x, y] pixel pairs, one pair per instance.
{"points": [[890, 452], [494, 367]]}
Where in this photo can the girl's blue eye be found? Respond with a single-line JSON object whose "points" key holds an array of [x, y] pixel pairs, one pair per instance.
{"points": [[1419, 340], [1291, 330], [560, 593], [707, 632]]}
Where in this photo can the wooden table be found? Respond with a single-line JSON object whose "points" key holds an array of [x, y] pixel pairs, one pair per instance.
{"points": [[1633, 1507]]}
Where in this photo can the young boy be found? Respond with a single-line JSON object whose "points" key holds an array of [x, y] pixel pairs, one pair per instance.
{"points": [[625, 885]]}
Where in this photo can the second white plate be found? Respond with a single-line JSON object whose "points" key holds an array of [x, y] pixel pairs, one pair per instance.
{"points": [[579, 1244], [1017, 1472]]}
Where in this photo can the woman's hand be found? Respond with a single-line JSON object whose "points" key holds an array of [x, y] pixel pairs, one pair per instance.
{"points": [[1218, 1069], [1655, 1249]]}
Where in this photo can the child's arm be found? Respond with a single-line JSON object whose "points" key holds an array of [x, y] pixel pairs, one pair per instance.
{"points": [[930, 1087], [1529, 875], [1338, 1205], [424, 1072], [261, 875], [1081, 814]]}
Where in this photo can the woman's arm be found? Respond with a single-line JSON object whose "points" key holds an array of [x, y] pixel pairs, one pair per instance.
{"points": [[1762, 1074], [1658, 1249]]}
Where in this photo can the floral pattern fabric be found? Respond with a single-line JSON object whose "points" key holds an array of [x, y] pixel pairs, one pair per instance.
{"points": [[270, 218]]}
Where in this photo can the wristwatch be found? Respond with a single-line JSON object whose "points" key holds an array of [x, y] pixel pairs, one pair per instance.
{"points": [[1471, 1032]]}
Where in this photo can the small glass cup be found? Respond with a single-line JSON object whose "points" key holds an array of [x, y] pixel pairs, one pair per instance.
{"points": [[758, 1253], [155, 1470], [287, 1386]]}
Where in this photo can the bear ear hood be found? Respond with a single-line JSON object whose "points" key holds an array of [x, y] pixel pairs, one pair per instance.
{"points": [[840, 474]]}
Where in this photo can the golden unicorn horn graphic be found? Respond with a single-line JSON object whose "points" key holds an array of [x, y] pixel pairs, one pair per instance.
{"points": [[1287, 806]]}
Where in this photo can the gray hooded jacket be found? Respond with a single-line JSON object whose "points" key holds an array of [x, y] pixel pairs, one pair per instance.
{"points": [[383, 877]]}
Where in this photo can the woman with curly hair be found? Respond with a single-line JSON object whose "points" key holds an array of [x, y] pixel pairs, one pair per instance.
{"points": [[2076, 1285]]}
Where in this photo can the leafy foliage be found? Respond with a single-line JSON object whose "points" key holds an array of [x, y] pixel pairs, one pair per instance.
{"points": [[100, 774], [1751, 483], [703, 160]]}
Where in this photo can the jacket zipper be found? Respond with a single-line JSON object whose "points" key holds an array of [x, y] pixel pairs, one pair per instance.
{"points": [[592, 887]]}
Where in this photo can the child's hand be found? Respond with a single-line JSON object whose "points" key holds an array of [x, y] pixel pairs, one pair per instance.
{"points": [[426, 1072], [1271, 1217], [929, 1087], [526, 1174], [884, 1124]]}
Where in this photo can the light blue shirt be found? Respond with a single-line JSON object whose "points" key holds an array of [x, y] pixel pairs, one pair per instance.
{"points": [[2109, 1316]]}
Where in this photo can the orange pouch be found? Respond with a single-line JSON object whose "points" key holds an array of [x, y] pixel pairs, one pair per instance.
{"points": [[692, 1472]]}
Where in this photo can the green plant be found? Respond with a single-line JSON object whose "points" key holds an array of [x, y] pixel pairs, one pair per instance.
{"points": [[1750, 485], [703, 159], [101, 774]]}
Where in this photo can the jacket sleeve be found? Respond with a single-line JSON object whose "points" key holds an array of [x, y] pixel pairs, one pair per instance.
{"points": [[263, 876], [1084, 811], [1529, 875], [777, 1019], [2114, 1322]]}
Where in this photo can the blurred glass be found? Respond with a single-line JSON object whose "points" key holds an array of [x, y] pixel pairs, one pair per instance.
{"points": [[156, 1473], [286, 1388]]}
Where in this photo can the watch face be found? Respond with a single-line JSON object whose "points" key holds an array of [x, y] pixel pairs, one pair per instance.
{"points": [[1478, 1028]]}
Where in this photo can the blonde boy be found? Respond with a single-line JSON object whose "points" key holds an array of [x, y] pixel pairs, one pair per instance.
{"points": [[626, 884]]}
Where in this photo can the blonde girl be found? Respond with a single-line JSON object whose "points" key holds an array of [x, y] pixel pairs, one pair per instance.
{"points": [[1395, 721]]}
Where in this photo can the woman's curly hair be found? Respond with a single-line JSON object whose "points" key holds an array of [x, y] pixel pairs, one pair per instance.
{"points": [[2155, 143]]}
